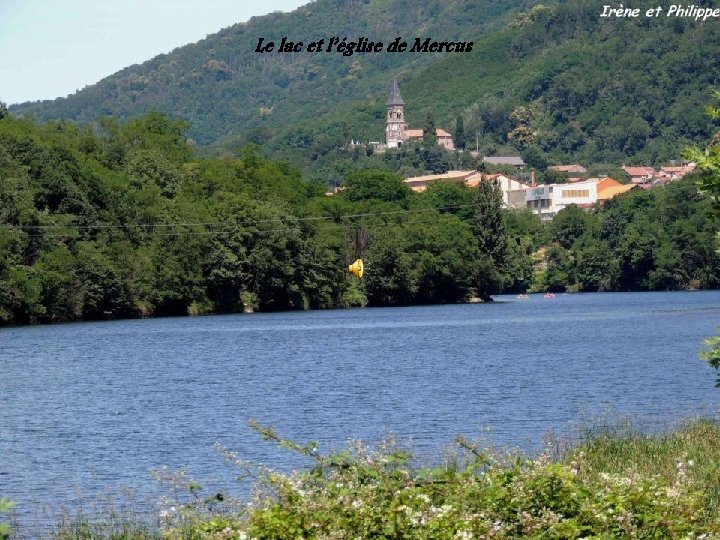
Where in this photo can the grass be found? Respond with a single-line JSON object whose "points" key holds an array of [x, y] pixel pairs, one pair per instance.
{"points": [[619, 448]]}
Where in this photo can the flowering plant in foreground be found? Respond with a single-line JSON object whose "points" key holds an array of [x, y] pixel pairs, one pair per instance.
{"points": [[378, 493]]}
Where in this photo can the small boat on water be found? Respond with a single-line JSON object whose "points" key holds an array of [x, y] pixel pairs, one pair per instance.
{"points": [[549, 295]]}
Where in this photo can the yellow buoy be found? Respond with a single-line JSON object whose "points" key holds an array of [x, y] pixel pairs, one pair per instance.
{"points": [[356, 269]]}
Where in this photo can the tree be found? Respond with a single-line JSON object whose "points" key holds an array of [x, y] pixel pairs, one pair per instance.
{"points": [[711, 355], [376, 184], [443, 253], [429, 131], [491, 235], [569, 225], [389, 280], [708, 161], [459, 132], [709, 164]]}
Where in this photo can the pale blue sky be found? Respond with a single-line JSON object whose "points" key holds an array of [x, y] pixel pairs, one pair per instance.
{"points": [[51, 48]]}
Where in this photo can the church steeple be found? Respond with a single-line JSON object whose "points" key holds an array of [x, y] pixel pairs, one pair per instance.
{"points": [[395, 98], [395, 127]]}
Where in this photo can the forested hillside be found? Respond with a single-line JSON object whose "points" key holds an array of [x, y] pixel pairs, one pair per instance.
{"points": [[132, 222], [224, 89], [559, 85], [555, 83]]}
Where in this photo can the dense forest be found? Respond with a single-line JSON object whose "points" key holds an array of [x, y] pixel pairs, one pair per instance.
{"points": [[131, 222], [554, 83]]}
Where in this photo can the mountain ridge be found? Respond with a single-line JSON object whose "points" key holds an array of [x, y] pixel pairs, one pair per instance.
{"points": [[554, 83], [223, 68]]}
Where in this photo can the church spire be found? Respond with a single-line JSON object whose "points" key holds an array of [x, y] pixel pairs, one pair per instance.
{"points": [[395, 98]]}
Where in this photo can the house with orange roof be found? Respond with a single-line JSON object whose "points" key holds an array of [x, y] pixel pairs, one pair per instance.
{"points": [[610, 192], [639, 175], [444, 139], [675, 173], [513, 190], [605, 182], [420, 183]]}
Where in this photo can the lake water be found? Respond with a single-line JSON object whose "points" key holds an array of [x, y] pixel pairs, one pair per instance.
{"points": [[91, 408]]}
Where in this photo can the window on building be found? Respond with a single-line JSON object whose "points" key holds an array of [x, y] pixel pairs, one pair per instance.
{"points": [[570, 193]]}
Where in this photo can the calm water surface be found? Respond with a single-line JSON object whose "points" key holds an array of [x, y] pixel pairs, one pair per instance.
{"points": [[89, 408]]}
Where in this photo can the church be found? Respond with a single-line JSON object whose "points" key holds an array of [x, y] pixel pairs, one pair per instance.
{"points": [[396, 130]]}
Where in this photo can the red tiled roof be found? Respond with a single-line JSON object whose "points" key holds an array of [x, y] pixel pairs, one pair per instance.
{"points": [[419, 133], [639, 171], [568, 168]]}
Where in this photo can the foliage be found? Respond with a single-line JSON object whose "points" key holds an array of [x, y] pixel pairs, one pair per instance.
{"points": [[662, 239], [459, 135], [429, 134], [376, 184], [709, 165], [132, 222], [575, 87], [113, 525], [613, 484], [489, 229], [708, 161], [5, 506]]}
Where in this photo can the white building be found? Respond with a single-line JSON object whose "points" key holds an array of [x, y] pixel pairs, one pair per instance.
{"points": [[513, 190], [549, 199]]}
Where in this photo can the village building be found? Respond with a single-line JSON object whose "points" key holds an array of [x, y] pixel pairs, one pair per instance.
{"points": [[576, 169], [512, 161], [397, 132], [513, 190], [421, 183], [668, 174], [547, 200], [639, 175]]}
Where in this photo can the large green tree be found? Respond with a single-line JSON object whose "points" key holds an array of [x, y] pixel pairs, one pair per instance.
{"points": [[491, 235], [708, 162]]}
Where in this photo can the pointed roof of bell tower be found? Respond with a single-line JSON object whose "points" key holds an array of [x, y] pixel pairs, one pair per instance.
{"points": [[395, 98]]}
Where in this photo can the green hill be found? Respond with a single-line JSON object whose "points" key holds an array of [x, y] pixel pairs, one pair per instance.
{"points": [[555, 83], [223, 88]]}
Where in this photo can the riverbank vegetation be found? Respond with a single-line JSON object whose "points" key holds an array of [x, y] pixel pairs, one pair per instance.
{"points": [[614, 482], [130, 222]]}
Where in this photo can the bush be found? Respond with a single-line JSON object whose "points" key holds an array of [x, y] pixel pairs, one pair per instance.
{"points": [[378, 493]]}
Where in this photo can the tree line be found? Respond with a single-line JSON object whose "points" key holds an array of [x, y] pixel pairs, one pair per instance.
{"points": [[128, 220]]}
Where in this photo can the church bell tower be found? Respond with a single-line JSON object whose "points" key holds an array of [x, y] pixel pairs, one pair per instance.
{"points": [[395, 128]]}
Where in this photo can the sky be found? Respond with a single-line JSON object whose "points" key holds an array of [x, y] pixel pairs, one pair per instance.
{"points": [[52, 48]]}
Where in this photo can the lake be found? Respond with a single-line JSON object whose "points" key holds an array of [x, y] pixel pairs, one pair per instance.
{"points": [[89, 409]]}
